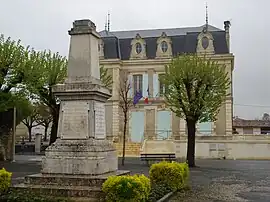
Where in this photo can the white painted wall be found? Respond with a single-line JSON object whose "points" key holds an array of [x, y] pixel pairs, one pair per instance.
{"points": [[231, 149]]}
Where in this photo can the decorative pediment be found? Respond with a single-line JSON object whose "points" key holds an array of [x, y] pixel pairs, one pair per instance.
{"points": [[138, 48], [164, 46], [205, 43], [101, 49]]}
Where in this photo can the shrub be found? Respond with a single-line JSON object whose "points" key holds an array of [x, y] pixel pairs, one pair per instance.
{"points": [[158, 191], [126, 188], [173, 175], [5, 180]]}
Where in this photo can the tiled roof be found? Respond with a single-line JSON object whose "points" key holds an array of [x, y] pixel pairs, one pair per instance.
{"points": [[250, 123]]}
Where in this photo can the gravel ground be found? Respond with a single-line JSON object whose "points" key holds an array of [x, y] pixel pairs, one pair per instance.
{"points": [[213, 181], [232, 181]]}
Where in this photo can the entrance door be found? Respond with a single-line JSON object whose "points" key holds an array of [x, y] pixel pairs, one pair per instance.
{"points": [[137, 126], [163, 124]]}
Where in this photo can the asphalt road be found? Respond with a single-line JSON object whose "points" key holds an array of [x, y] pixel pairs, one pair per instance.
{"points": [[213, 181]]}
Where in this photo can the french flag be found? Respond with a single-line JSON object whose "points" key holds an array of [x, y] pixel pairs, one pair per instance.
{"points": [[146, 101]]}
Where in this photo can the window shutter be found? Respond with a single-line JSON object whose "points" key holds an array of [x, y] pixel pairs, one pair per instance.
{"points": [[155, 85], [145, 85], [130, 81]]}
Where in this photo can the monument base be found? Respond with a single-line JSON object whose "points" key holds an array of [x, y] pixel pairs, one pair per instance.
{"points": [[74, 169], [80, 157], [74, 187]]}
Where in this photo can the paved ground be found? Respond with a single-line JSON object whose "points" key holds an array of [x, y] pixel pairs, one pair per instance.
{"points": [[213, 181]]}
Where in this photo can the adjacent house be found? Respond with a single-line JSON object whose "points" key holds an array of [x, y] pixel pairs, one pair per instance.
{"points": [[251, 127]]}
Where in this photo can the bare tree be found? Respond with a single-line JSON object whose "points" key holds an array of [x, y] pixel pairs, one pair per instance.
{"points": [[125, 104], [31, 120], [45, 118]]}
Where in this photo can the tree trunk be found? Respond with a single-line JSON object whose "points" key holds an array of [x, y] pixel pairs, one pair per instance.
{"points": [[124, 139], [55, 117], [45, 133], [29, 133], [191, 124]]}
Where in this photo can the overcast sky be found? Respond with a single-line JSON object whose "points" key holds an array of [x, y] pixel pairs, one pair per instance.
{"points": [[44, 24]]}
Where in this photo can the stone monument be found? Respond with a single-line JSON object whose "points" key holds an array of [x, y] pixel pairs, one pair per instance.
{"points": [[81, 159]]}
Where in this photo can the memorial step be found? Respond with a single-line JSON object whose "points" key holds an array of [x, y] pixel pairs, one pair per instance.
{"points": [[63, 191], [69, 180]]}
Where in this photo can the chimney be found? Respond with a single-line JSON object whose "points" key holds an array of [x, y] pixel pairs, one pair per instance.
{"points": [[227, 25]]}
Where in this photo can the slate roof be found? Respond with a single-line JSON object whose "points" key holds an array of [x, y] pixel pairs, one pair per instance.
{"points": [[184, 40]]}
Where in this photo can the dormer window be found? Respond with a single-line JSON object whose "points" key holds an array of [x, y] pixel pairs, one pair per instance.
{"points": [[164, 46], [138, 47], [205, 43]]}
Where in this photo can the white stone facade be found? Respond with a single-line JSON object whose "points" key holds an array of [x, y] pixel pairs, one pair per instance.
{"points": [[140, 63]]}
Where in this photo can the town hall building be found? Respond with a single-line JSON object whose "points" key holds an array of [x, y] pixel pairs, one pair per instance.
{"points": [[143, 54]]}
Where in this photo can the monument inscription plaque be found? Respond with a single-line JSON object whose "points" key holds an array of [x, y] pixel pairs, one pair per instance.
{"points": [[100, 129], [74, 121]]}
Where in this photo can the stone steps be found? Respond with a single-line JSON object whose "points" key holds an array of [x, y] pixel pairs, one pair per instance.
{"points": [[92, 193], [132, 149], [84, 187], [39, 179]]}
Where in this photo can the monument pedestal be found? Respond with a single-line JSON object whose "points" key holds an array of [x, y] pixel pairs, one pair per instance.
{"points": [[81, 159], [75, 169]]}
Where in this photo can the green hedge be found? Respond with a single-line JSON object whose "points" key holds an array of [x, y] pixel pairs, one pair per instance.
{"points": [[173, 175], [127, 188]]}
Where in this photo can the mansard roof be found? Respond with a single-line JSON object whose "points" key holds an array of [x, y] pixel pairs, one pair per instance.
{"points": [[117, 44]]}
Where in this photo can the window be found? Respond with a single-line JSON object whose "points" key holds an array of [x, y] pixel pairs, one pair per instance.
{"points": [[205, 128], [248, 131], [137, 83], [205, 42], [164, 46], [138, 47]]}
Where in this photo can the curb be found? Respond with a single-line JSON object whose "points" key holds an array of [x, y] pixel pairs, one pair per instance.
{"points": [[166, 197]]}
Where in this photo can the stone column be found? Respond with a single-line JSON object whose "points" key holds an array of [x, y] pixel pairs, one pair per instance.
{"points": [[150, 81], [38, 143], [109, 120], [220, 123], [150, 122], [175, 126], [115, 121], [228, 112], [116, 83], [183, 128]]}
